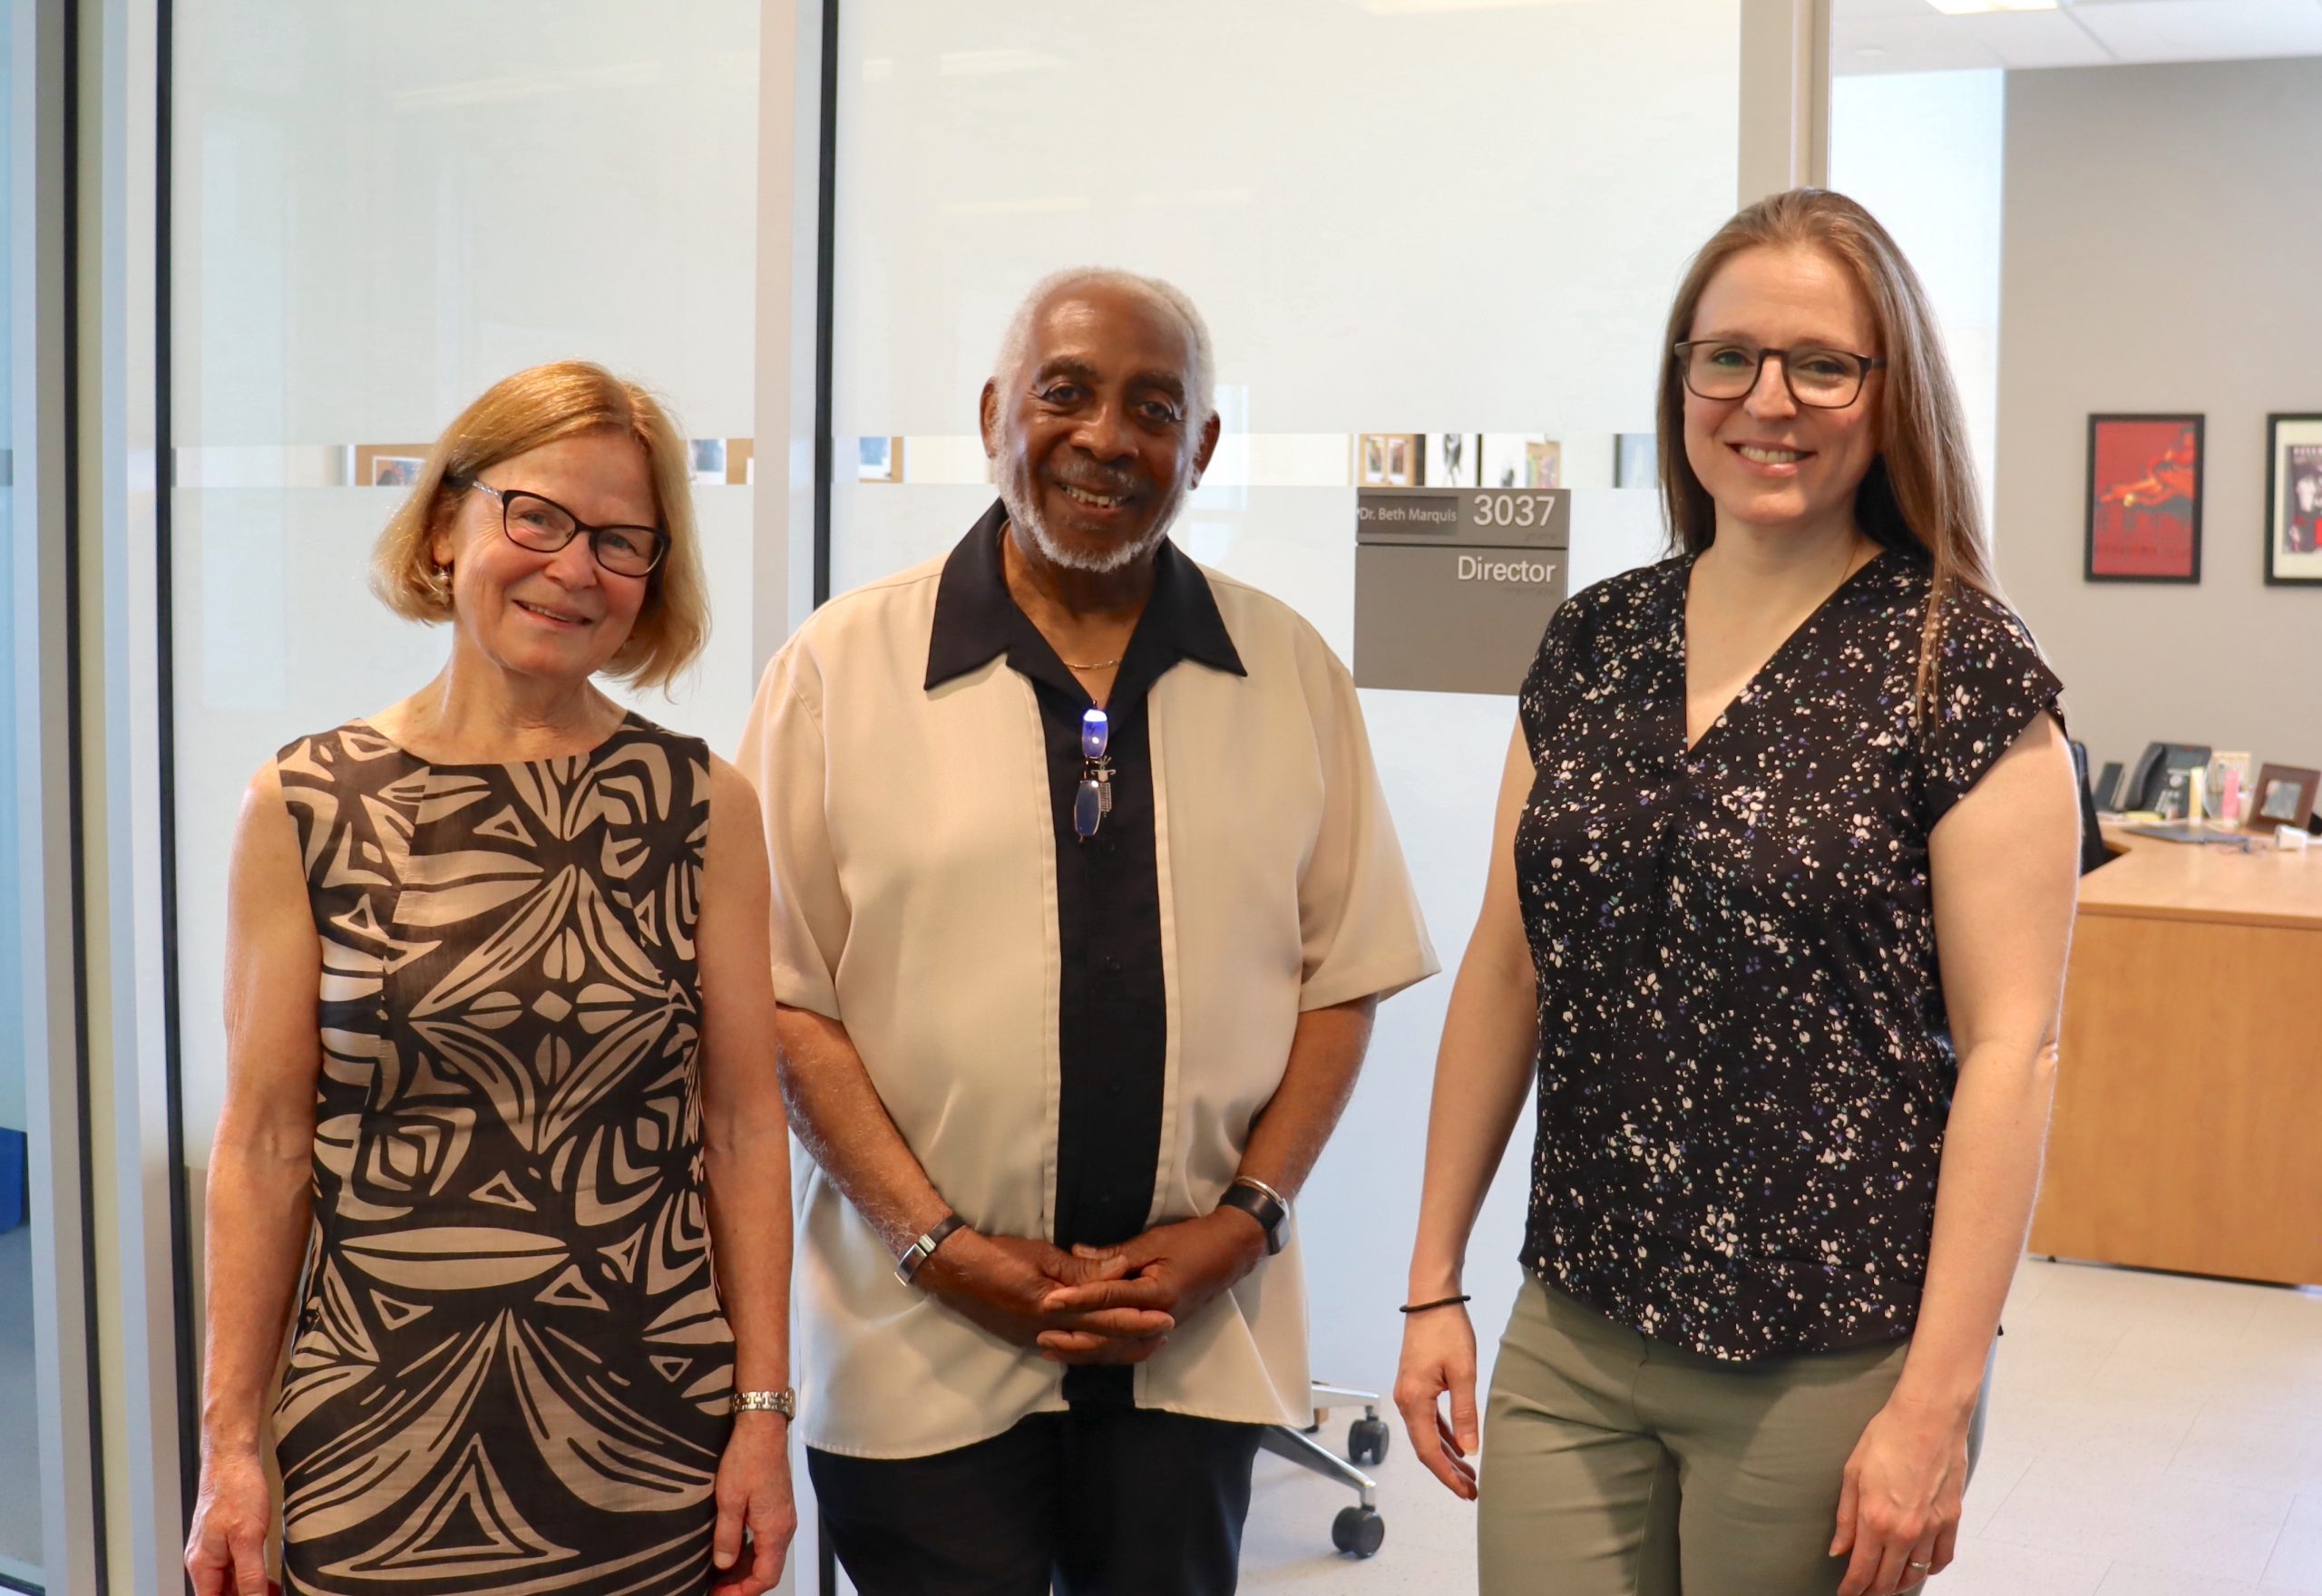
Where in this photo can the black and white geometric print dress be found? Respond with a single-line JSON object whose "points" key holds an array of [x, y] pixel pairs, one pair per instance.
{"points": [[1745, 1064], [511, 1372]]}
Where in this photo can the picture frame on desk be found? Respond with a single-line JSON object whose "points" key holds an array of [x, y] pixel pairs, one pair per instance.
{"points": [[2283, 795], [2294, 501], [2230, 767], [2144, 498]]}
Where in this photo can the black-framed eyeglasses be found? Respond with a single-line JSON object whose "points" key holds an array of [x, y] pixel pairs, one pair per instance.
{"points": [[1094, 801], [534, 522], [1818, 378]]}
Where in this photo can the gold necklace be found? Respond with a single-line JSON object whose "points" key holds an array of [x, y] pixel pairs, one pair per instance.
{"points": [[1100, 665]]}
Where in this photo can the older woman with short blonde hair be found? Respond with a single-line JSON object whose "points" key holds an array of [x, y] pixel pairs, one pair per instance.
{"points": [[499, 1070]]}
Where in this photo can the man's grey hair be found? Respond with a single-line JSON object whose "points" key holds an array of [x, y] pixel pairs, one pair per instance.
{"points": [[1016, 343]]}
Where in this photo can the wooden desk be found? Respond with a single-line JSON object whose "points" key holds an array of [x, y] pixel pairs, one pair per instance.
{"points": [[2188, 1105]]}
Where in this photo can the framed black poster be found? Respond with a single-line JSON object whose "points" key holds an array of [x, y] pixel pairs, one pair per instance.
{"points": [[2294, 501]]}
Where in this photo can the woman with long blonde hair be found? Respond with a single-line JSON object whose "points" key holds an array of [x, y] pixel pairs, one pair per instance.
{"points": [[1780, 888]]}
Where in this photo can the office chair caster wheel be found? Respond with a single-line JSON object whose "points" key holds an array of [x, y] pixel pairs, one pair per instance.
{"points": [[1358, 1532], [1366, 1441]]}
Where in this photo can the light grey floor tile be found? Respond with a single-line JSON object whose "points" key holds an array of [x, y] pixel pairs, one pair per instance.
{"points": [[2124, 1579], [2247, 1444], [2290, 1316], [2135, 1514], [2297, 1564], [1997, 1473], [2078, 1423], [2157, 1321], [2031, 1279], [1996, 1568]]}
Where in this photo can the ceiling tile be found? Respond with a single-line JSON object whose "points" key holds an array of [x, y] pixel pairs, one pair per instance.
{"points": [[1925, 41], [2038, 38], [2203, 30], [1910, 35], [1844, 11]]}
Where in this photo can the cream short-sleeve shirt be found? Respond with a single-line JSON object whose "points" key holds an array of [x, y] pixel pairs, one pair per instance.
{"points": [[914, 902]]}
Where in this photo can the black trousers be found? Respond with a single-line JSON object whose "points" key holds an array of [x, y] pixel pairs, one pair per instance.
{"points": [[1102, 1501]]}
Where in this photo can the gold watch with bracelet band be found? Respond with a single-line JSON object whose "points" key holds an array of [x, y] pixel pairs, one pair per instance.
{"points": [[783, 1402]]}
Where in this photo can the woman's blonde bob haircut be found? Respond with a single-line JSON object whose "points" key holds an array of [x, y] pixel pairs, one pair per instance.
{"points": [[1920, 495], [515, 416]]}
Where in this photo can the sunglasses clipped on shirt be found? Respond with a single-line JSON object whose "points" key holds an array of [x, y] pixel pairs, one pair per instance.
{"points": [[1094, 801]]}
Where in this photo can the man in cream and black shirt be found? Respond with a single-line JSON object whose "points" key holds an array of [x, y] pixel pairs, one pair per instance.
{"points": [[1072, 1000]]}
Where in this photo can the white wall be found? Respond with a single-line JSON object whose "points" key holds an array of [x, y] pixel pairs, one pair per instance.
{"points": [[1396, 218]]}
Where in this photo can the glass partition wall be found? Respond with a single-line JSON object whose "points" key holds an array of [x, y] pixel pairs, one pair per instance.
{"points": [[50, 1521], [1399, 217], [376, 213], [21, 1557], [373, 224]]}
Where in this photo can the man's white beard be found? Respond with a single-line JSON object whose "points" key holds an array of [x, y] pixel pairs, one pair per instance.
{"points": [[1020, 496]]}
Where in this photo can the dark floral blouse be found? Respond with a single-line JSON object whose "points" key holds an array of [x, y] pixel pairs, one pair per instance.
{"points": [[1745, 1062]]}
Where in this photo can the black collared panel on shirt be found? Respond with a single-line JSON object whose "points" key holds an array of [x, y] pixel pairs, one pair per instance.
{"points": [[1112, 1001]]}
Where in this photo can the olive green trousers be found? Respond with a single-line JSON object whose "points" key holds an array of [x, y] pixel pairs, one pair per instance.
{"points": [[1614, 1466]]}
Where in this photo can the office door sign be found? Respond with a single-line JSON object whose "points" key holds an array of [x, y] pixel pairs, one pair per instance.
{"points": [[1453, 586]]}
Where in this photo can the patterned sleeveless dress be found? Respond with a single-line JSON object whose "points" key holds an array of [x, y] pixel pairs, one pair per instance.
{"points": [[511, 1372]]}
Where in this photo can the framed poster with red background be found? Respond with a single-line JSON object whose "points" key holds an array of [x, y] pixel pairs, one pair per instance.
{"points": [[2144, 498]]}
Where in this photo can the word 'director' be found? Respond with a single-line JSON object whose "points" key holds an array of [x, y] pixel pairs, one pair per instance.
{"points": [[1475, 568]]}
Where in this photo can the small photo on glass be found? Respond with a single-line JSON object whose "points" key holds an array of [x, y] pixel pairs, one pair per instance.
{"points": [[708, 458]]}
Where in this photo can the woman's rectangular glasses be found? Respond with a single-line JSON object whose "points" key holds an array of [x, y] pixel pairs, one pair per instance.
{"points": [[544, 526], [1820, 379]]}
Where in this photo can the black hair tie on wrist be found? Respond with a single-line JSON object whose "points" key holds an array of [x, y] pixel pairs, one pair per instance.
{"points": [[1423, 1307]]}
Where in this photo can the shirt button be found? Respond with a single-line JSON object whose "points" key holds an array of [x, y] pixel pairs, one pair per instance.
{"points": [[1110, 964]]}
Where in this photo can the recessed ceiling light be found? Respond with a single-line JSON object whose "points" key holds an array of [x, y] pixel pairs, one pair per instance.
{"points": [[1976, 7]]}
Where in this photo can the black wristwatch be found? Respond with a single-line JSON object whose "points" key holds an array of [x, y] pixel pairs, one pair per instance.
{"points": [[1262, 1202]]}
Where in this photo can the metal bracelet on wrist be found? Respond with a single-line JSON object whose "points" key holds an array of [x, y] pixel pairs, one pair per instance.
{"points": [[783, 1402]]}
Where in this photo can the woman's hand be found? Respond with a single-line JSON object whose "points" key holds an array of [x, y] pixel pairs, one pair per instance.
{"points": [[225, 1551], [754, 1494], [1898, 1509], [1438, 1360]]}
